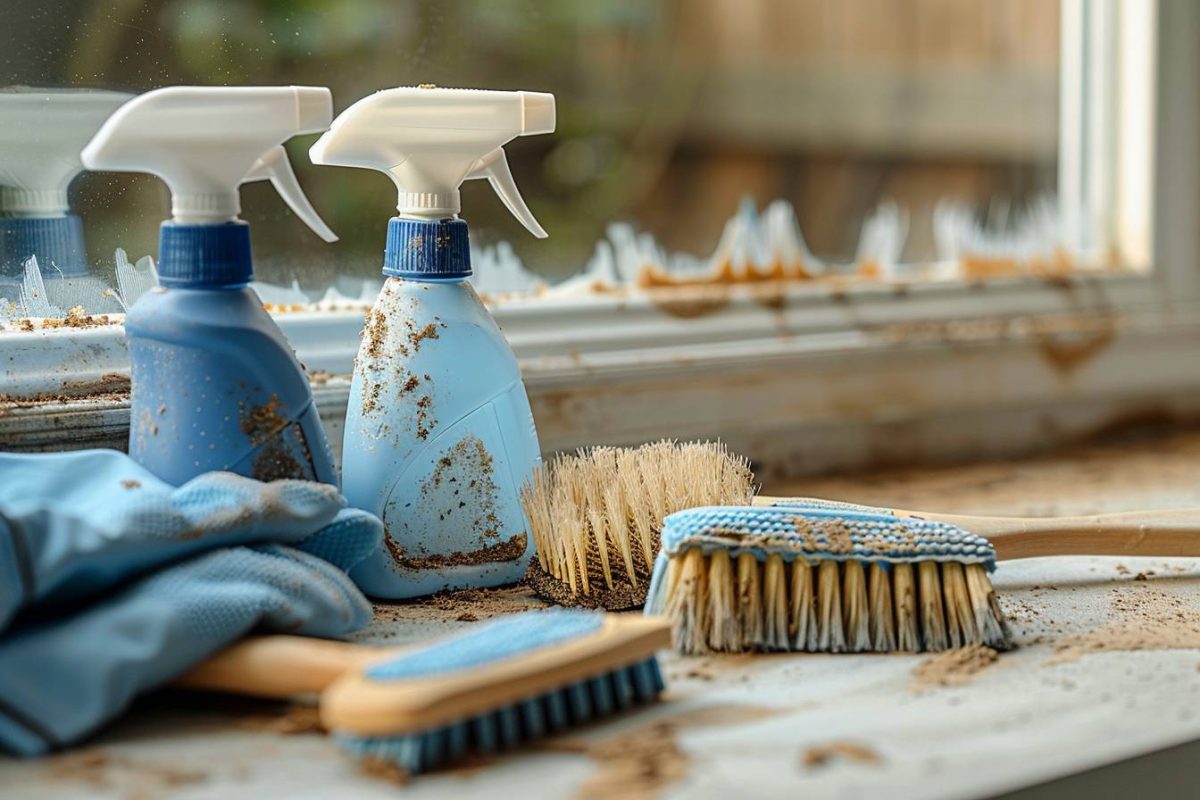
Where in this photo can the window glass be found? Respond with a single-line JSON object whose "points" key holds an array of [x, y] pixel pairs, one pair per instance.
{"points": [[670, 114]]}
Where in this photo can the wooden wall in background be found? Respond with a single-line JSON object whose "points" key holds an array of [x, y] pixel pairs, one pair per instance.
{"points": [[837, 106]]}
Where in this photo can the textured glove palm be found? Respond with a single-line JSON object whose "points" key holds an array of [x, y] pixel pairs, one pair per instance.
{"points": [[112, 582]]}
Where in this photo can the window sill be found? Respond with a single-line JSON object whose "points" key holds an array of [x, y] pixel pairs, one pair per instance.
{"points": [[801, 377]]}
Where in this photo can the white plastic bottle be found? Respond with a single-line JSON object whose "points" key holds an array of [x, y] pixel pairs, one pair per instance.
{"points": [[439, 436]]}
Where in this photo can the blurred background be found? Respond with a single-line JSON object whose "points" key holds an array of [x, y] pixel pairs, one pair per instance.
{"points": [[669, 112]]}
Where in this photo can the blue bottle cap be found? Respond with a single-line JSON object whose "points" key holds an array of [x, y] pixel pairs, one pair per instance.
{"points": [[56, 241], [427, 249], [204, 255]]}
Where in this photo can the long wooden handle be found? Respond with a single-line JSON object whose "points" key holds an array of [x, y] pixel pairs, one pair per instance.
{"points": [[1173, 533], [280, 666]]}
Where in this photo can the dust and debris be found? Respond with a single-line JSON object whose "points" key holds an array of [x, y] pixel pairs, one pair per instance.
{"points": [[371, 392], [452, 606], [1067, 354], [821, 755], [294, 720], [263, 421], [508, 550], [375, 334], [416, 336], [283, 450], [622, 596], [130, 483], [647, 759], [102, 771], [110, 387], [838, 538], [463, 479], [385, 769], [1142, 618], [953, 667], [76, 317]]}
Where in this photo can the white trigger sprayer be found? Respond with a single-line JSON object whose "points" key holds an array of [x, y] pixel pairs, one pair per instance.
{"points": [[430, 140], [205, 141]]}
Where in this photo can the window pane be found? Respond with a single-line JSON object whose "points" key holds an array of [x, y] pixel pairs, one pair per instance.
{"points": [[669, 115]]}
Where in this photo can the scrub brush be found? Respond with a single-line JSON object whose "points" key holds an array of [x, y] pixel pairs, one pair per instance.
{"points": [[487, 689], [823, 577], [809, 574], [596, 515]]}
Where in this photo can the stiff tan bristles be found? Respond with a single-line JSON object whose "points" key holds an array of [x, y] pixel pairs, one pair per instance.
{"points": [[933, 618], [723, 602], [803, 618], [904, 592], [829, 609], [724, 631], [775, 607], [749, 601], [688, 601], [960, 617], [989, 619], [883, 629], [855, 607], [595, 516]]}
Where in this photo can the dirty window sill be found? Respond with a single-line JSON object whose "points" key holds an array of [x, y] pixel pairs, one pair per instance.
{"points": [[803, 379]]}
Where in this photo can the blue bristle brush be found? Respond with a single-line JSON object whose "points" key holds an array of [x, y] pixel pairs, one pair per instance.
{"points": [[484, 690], [823, 576]]}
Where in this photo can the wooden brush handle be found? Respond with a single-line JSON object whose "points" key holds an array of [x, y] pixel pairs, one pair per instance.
{"points": [[366, 707], [1173, 533], [280, 666]]}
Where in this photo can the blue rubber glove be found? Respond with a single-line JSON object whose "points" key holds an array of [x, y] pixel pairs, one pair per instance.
{"points": [[113, 583]]}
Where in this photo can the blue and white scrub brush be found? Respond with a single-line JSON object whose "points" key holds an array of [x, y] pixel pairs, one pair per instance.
{"points": [[485, 690], [821, 576], [809, 574]]}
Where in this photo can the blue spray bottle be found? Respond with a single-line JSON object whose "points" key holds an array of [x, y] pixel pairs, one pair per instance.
{"points": [[215, 386], [439, 437]]}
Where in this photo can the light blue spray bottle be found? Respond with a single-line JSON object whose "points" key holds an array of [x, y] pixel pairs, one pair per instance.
{"points": [[215, 386], [439, 436]]}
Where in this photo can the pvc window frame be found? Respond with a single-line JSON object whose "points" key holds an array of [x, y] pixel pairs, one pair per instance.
{"points": [[618, 367]]}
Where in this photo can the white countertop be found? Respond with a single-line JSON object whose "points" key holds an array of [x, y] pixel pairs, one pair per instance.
{"points": [[743, 725]]}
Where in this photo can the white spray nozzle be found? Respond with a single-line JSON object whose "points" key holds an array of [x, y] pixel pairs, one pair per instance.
{"points": [[205, 141], [430, 140], [41, 134], [275, 167]]}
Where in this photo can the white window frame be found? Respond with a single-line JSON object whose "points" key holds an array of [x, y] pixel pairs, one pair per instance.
{"points": [[826, 378]]}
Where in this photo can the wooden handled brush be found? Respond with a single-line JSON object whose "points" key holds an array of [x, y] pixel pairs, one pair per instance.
{"points": [[1167, 534], [807, 574], [486, 689]]}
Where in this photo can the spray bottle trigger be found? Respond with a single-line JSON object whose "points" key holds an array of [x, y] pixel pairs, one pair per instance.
{"points": [[494, 167], [274, 166]]}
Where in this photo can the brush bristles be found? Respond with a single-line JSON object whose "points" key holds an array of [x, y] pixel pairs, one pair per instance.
{"points": [[596, 515], [509, 726], [721, 604]]}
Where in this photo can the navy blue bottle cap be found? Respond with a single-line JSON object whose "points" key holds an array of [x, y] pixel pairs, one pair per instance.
{"points": [[56, 241], [204, 255], [426, 249]]}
